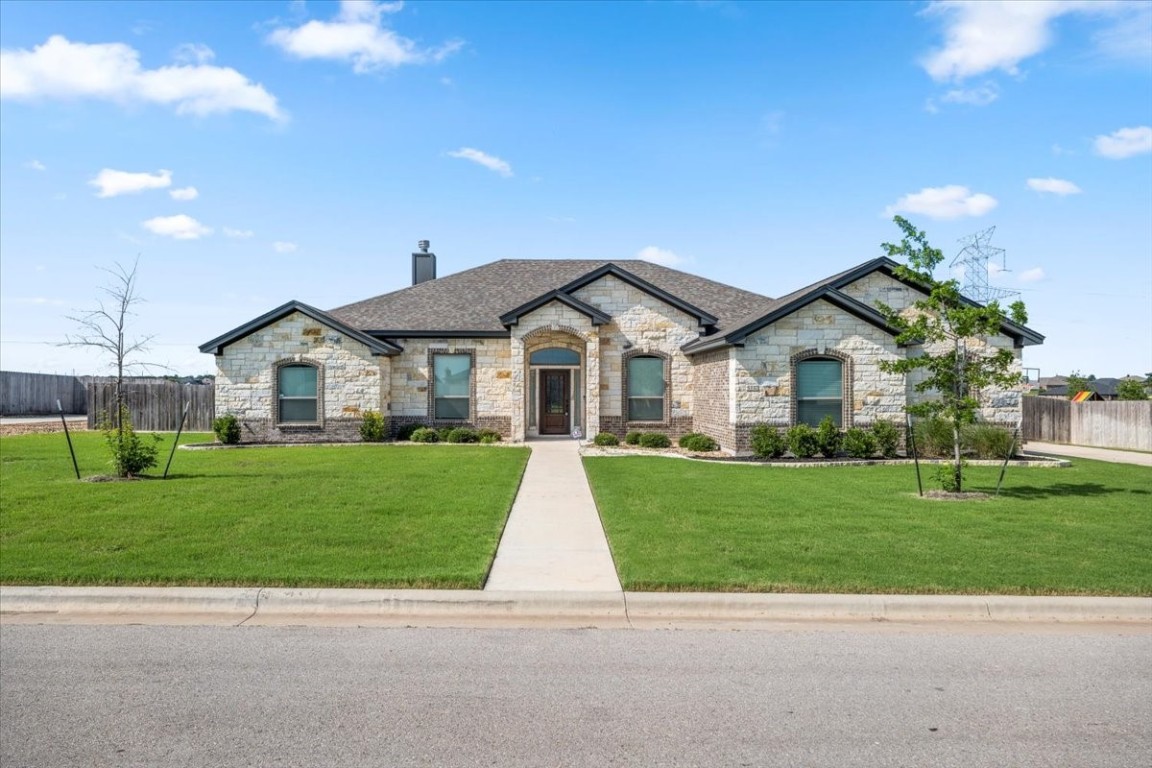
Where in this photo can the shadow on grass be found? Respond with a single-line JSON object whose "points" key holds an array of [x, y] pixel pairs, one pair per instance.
{"points": [[1064, 489]]}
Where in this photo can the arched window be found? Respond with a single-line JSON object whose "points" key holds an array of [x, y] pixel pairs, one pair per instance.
{"points": [[645, 388], [819, 389], [297, 394], [554, 356]]}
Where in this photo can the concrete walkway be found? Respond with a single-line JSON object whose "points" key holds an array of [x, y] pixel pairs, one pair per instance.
{"points": [[554, 540], [1084, 452]]}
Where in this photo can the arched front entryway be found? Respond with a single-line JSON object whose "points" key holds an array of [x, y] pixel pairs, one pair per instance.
{"points": [[555, 375]]}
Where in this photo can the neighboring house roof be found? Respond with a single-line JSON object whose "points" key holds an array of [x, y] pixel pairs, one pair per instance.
{"points": [[478, 300], [377, 346]]}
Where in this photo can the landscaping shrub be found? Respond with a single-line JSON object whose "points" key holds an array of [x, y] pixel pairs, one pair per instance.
{"points": [[632, 438], [443, 432], [887, 437], [373, 428], [694, 441], [424, 435], [655, 440], [130, 454], [933, 438], [227, 429], [989, 441], [405, 432], [462, 435], [859, 443], [606, 439], [803, 441], [828, 437], [767, 442], [490, 436]]}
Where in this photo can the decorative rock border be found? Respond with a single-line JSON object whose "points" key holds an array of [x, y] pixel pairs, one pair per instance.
{"points": [[719, 458]]}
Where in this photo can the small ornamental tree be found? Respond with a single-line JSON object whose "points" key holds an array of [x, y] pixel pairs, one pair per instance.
{"points": [[1077, 383], [1131, 389], [952, 331]]}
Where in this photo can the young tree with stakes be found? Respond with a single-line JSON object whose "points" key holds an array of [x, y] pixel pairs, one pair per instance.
{"points": [[952, 333], [105, 329]]}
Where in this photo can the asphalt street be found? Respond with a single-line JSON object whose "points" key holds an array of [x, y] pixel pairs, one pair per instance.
{"points": [[853, 695]]}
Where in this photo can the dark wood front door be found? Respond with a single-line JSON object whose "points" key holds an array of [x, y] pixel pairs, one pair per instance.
{"points": [[554, 397]]}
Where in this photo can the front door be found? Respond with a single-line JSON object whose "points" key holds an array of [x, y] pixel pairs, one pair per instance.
{"points": [[554, 397]]}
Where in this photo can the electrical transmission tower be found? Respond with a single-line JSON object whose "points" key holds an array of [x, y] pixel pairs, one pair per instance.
{"points": [[975, 257]]}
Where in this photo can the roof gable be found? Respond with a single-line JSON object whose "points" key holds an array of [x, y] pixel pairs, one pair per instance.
{"points": [[376, 346], [592, 313], [704, 318]]}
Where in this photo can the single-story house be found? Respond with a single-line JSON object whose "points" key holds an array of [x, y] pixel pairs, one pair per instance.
{"points": [[532, 347]]}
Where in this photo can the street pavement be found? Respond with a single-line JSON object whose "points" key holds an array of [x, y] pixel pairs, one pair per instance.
{"points": [[1086, 452], [874, 695]]}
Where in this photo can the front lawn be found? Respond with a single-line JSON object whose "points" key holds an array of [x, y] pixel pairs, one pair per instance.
{"points": [[681, 525], [347, 516]]}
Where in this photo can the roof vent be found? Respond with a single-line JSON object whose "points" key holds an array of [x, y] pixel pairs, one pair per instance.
{"points": [[423, 264]]}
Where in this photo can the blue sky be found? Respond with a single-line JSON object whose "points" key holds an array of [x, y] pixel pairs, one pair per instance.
{"points": [[252, 153]]}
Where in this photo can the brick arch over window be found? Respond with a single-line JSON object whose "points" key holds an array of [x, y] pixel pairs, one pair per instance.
{"points": [[631, 397], [846, 379], [298, 400], [549, 329]]}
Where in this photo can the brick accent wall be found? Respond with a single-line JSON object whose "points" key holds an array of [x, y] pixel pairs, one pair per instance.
{"points": [[712, 401], [676, 427]]}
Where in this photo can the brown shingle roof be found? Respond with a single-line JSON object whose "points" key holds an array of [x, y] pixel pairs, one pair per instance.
{"points": [[475, 299]]}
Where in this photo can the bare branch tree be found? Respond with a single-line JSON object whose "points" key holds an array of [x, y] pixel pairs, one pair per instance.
{"points": [[105, 330]]}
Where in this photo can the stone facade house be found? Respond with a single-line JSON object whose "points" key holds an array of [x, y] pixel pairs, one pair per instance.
{"points": [[540, 347]]}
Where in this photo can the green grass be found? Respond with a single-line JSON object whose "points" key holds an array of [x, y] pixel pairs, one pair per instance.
{"points": [[347, 516], [679, 525]]}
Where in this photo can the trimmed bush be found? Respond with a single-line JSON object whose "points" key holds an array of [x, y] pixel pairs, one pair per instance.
{"points": [[373, 429], [803, 441], [989, 441], [632, 438], [828, 437], [694, 441], [767, 442], [490, 436], [131, 455], [605, 439], [859, 443], [887, 437], [424, 435], [655, 440], [443, 432], [227, 429], [405, 432], [462, 435], [933, 437]]}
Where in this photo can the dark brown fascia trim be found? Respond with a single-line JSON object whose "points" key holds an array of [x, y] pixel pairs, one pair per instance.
{"points": [[643, 285], [592, 313], [376, 346], [827, 293], [1021, 335]]}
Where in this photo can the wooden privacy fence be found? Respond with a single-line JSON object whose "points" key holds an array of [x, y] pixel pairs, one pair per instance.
{"points": [[1123, 424], [35, 394], [156, 405]]}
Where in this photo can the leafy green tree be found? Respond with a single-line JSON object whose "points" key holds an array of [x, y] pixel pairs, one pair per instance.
{"points": [[1077, 383], [952, 332], [1131, 389]]}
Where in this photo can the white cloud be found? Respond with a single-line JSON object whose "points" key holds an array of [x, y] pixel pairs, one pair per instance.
{"points": [[281, 246], [1055, 186], [491, 162], [1125, 142], [184, 193], [1032, 275], [662, 257], [984, 36], [111, 183], [61, 69], [238, 234], [976, 97], [179, 227], [35, 165], [1130, 38], [357, 35], [949, 202], [193, 53]]}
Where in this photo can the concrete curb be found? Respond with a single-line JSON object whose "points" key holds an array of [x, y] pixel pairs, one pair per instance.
{"points": [[470, 608]]}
